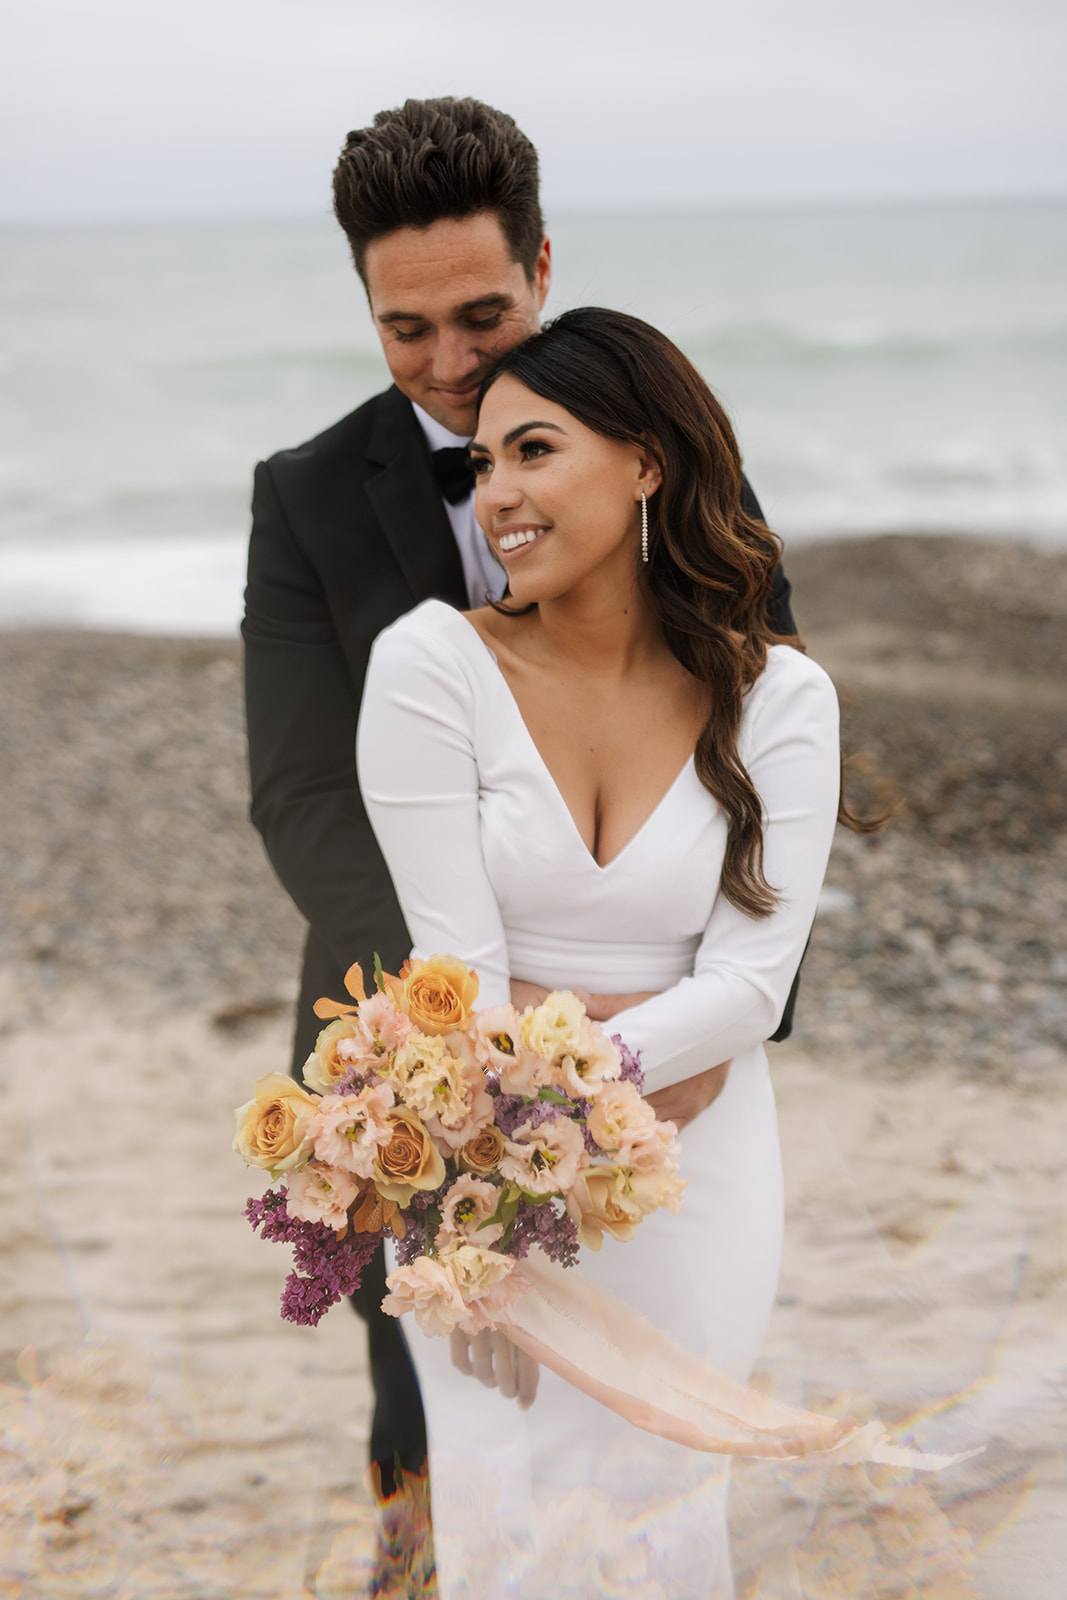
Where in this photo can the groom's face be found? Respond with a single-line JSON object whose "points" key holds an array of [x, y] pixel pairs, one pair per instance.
{"points": [[447, 300]]}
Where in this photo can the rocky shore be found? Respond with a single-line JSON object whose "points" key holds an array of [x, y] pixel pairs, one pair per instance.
{"points": [[128, 860]]}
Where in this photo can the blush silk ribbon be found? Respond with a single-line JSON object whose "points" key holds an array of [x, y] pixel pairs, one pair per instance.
{"points": [[616, 1357]]}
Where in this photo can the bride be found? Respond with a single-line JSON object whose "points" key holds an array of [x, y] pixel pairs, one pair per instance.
{"points": [[616, 780]]}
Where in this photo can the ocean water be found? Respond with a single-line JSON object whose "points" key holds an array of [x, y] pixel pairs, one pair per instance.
{"points": [[890, 368]]}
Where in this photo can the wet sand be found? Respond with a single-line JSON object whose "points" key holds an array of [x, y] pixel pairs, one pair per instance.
{"points": [[191, 1446]]}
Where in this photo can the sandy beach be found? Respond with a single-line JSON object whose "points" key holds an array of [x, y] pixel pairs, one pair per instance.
{"points": [[165, 1435]]}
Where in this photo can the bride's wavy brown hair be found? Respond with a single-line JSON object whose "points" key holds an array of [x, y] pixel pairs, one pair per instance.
{"points": [[710, 565]]}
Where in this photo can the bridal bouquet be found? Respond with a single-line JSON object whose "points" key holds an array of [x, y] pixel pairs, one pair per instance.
{"points": [[466, 1136]]}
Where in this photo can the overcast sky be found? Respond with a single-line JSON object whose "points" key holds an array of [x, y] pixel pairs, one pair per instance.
{"points": [[156, 107]]}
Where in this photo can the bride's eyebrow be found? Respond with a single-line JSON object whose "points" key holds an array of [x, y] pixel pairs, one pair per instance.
{"points": [[476, 446], [524, 427]]}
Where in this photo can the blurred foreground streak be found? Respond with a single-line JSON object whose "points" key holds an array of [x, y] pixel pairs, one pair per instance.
{"points": [[195, 1448]]}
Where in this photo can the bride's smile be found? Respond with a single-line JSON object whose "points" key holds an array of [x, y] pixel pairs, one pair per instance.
{"points": [[558, 502]]}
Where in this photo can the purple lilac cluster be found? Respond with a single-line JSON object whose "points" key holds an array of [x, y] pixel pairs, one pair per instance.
{"points": [[353, 1083], [512, 1110], [326, 1267], [551, 1230], [631, 1065], [414, 1242]]}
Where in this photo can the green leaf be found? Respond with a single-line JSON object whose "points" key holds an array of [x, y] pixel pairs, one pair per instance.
{"points": [[552, 1097], [378, 975], [431, 1221], [498, 1214]]}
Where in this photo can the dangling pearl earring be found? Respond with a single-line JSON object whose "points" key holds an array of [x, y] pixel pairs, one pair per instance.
{"points": [[644, 530]]}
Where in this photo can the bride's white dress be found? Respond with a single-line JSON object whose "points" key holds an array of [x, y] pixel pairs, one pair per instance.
{"points": [[566, 1499]]}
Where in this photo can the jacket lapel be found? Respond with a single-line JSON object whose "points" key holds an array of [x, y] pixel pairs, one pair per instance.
{"points": [[406, 501]]}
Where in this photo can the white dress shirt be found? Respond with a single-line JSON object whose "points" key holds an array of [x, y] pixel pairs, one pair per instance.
{"points": [[481, 570]]}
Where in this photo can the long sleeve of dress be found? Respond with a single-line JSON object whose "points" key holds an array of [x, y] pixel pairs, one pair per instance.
{"points": [[744, 966], [418, 768], [419, 776]]}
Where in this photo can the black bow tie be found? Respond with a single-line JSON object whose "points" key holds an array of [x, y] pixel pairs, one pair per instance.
{"points": [[453, 472]]}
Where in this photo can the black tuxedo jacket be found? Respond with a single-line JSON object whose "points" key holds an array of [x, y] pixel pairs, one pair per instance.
{"points": [[348, 533]]}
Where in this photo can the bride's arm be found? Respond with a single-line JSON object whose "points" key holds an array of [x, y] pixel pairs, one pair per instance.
{"points": [[419, 778], [744, 966]]}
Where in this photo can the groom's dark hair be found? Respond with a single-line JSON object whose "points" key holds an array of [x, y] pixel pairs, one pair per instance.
{"points": [[438, 158]]}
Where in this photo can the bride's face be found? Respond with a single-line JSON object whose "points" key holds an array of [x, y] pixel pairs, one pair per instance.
{"points": [[559, 504]]}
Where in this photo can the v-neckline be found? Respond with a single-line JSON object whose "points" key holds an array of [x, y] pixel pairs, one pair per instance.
{"points": [[600, 867]]}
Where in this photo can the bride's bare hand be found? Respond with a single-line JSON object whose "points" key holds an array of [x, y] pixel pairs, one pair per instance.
{"points": [[601, 1007], [681, 1102], [495, 1361], [525, 994]]}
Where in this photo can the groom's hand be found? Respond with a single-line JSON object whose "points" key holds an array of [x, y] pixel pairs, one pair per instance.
{"points": [[496, 1362]]}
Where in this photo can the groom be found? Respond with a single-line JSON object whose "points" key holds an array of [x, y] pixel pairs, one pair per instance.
{"points": [[440, 203]]}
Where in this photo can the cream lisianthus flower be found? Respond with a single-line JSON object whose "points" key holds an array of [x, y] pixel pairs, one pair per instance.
{"points": [[419, 1058], [651, 1150], [545, 1159], [583, 1073], [272, 1127], [319, 1193], [475, 1270], [428, 1288], [435, 1082], [618, 1113], [465, 1212], [497, 1040], [387, 1027], [495, 1035], [554, 1028], [460, 1124], [348, 1130]]}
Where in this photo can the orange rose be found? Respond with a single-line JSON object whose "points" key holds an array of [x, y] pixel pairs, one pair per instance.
{"points": [[409, 1161], [438, 995], [481, 1155]]}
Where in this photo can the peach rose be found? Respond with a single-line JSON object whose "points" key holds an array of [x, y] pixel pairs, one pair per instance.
{"points": [[466, 1210], [599, 1204], [349, 1128], [544, 1160], [438, 995], [613, 1199], [481, 1155], [409, 1161], [318, 1193], [326, 1066], [654, 1190], [272, 1128]]}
